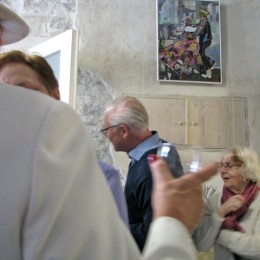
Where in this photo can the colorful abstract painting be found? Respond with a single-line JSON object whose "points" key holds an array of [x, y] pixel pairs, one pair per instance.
{"points": [[189, 41]]}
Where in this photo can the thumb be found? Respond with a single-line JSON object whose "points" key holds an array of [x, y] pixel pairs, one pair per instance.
{"points": [[160, 170]]}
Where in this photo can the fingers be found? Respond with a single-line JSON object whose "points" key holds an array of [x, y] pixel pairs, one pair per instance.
{"points": [[241, 198], [161, 172], [179, 198], [160, 169], [205, 173], [237, 202]]}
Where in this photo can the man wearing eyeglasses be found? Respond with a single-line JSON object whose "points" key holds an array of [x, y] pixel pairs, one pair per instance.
{"points": [[126, 126]]}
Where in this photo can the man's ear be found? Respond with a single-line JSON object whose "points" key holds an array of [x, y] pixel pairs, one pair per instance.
{"points": [[56, 93], [125, 130]]}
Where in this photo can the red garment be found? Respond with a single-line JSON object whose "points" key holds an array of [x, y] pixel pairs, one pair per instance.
{"points": [[231, 220]]}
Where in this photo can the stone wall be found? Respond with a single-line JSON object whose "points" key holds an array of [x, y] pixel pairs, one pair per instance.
{"points": [[118, 45], [93, 94]]}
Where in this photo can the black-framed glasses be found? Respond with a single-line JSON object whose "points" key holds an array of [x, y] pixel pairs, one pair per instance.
{"points": [[228, 165], [103, 130]]}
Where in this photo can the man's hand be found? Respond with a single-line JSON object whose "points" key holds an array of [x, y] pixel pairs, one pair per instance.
{"points": [[179, 198]]}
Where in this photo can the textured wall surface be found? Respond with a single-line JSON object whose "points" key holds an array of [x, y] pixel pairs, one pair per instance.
{"points": [[117, 53], [92, 96], [118, 44], [118, 41]]}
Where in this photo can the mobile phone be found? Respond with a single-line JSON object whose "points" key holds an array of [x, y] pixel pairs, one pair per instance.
{"points": [[169, 153]]}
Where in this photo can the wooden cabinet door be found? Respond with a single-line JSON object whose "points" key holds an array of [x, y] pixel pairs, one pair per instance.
{"points": [[237, 123], [215, 122], [206, 122], [167, 116]]}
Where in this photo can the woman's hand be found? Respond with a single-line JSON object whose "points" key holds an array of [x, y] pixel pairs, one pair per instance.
{"points": [[231, 205]]}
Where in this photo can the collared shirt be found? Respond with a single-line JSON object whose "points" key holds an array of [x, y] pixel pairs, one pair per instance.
{"points": [[151, 142]]}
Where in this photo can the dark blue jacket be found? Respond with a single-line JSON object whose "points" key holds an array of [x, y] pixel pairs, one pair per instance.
{"points": [[138, 191]]}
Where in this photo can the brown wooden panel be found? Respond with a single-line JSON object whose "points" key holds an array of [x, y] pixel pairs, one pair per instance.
{"points": [[167, 117], [216, 123], [213, 123]]}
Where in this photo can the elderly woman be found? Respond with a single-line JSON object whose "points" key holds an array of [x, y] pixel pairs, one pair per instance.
{"points": [[231, 221]]}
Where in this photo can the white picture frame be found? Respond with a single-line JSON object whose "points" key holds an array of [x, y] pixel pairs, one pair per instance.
{"points": [[61, 52]]}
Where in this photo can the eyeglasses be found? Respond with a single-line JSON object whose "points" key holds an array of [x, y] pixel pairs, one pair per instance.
{"points": [[103, 130], [228, 165]]}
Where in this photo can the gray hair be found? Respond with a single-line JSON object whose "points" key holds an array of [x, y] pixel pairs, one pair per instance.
{"points": [[248, 158], [130, 111]]}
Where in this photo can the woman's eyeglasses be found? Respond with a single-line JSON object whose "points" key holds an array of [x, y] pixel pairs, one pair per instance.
{"points": [[228, 165]]}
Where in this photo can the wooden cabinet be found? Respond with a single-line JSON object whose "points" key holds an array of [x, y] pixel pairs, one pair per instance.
{"points": [[213, 123]]}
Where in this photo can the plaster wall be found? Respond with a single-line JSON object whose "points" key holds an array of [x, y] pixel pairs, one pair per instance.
{"points": [[117, 53]]}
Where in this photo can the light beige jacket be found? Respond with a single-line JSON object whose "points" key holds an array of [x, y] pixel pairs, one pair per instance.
{"points": [[226, 242], [54, 200]]}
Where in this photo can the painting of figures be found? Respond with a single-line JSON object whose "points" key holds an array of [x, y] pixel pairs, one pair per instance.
{"points": [[189, 41]]}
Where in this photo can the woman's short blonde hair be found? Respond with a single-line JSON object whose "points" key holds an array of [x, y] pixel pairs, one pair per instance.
{"points": [[249, 160]]}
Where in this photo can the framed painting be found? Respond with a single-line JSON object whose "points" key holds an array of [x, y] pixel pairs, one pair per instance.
{"points": [[61, 52], [189, 41]]}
